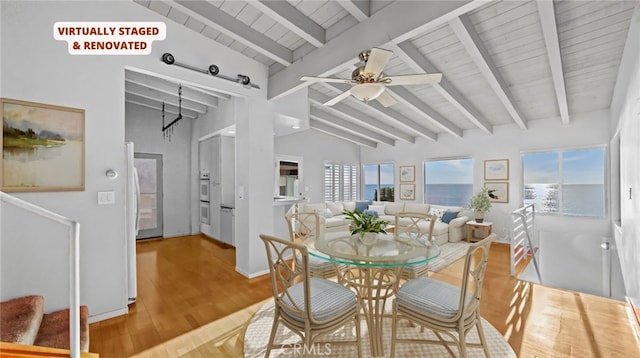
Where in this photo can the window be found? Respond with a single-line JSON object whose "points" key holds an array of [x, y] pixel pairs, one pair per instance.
{"points": [[569, 182], [340, 182], [448, 181], [378, 182]]}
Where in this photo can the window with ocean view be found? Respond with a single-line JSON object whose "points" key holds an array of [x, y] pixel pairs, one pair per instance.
{"points": [[567, 182], [378, 182], [448, 181]]}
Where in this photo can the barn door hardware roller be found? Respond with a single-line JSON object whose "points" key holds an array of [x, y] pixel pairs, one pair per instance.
{"points": [[213, 70]]}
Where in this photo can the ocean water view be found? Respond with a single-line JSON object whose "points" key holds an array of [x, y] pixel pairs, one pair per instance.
{"points": [[577, 199], [438, 194]]}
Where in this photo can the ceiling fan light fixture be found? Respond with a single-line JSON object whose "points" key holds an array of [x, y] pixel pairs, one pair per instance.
{"points": [[367, 91]]}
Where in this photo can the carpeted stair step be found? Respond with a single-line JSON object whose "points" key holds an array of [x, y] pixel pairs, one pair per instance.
{"points": [[20, 319], [54, 330]]}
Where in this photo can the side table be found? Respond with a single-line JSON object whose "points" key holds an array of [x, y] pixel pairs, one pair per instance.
{"points": [[473, 226]]}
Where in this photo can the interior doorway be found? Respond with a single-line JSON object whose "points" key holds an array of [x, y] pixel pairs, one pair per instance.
{"points": [[149, 167]]}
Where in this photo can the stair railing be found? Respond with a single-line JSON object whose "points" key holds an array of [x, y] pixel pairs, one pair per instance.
{"points": [[74, 264], [522, 223]]}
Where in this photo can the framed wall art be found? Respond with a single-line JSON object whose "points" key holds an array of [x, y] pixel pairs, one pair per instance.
{"points": [[408, 173], [43, 147], [498, 191], [407, 191], [496, 169]]}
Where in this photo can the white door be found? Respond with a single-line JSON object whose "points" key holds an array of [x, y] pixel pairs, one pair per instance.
{"points": [[149, 167]]}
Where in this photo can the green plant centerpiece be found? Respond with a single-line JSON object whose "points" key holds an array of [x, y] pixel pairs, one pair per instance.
{"points": [[366, 226], [480, 203]]}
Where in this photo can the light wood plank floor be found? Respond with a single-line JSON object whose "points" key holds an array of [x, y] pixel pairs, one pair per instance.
{"points": [[192, 303]]}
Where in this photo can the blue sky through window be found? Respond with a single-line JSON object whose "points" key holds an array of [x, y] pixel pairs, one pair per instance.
{"points": [[456, 171]]}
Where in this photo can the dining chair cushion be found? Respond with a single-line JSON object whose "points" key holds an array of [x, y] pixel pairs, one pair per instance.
{"points": [[433, 297], [414, 268], [328, 298]]}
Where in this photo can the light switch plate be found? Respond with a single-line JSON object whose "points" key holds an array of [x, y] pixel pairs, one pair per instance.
{"points": [[106, 197]]}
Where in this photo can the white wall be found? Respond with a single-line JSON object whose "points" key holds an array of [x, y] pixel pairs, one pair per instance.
{"points": [[315, 148], [507, 142], [142, 127], [35, 67], [625, 112]]}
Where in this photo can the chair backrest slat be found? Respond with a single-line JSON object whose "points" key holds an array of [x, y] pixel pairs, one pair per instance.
{"points": [[475, 266], [415, 225]]}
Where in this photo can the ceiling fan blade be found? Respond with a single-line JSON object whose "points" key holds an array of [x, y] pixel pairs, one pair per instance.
{"points": [[325, 79], [417, 79], [386, 99], [338, 98], [378, 58]]}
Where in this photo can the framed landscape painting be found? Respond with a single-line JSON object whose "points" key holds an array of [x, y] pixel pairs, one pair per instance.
{"points": [[42, 147], [498, 191], [408, 173], [407, 191], [496, 169]]}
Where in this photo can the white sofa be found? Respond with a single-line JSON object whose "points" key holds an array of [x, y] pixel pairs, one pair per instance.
{"points": [[332, 219]]}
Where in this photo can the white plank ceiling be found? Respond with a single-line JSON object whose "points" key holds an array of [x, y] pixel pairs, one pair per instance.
{"points": [[503, 62]]}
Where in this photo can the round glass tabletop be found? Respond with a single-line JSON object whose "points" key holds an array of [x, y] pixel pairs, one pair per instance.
{"points": [[386, 251]]}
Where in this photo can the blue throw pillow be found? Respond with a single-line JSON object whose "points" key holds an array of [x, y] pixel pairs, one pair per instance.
{"points": [[371, 212], [449, 215], [361, 206]]}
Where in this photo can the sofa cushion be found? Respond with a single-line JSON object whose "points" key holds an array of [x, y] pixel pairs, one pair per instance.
{"points": [[325, 213], [336, 207], [449, 215], [437, 212], [377, 208], [349, 205], [361, 206], [393, 208], [371, 212], [336, 221], [416, 208], [315, 207]]}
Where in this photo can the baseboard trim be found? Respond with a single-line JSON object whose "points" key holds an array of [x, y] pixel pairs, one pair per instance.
{"points": [[107, 315], [634, 317], [251, 275]]}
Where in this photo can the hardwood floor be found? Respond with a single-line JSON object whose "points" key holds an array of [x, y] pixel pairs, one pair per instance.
{"points": [[192, 303]]}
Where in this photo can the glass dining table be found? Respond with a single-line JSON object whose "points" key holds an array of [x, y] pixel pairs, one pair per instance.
{"points": [[372, 270]]}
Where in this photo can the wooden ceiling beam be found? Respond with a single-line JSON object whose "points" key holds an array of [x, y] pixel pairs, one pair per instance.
{"points": [[396, 22], [468, 36], [373, 123], [157, 105], [418, 62], [342, 134], [236, 29], [164, 96], [392, 115], [336, 121], [550, 33], [295, 21], [359, 9]]}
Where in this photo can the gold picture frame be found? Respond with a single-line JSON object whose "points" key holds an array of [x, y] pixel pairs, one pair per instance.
{"points": [[407, 191], [497, 169], [43, 147], [407, 173]]}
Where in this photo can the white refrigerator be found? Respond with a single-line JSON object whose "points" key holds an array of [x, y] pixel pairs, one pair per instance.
{"points": [[133, 198]]}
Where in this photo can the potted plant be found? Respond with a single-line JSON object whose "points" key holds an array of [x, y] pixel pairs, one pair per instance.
{"points": [[366, 226], [480, 203]]}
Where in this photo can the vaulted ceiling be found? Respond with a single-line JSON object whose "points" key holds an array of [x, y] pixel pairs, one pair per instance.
{"points": [[502, 61]]}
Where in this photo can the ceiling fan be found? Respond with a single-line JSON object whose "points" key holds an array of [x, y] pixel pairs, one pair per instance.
{"points": [[369, 82]]}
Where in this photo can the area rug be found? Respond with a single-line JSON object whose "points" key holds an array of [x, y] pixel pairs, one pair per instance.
{"points": [[449, 253], [257, 336]]}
